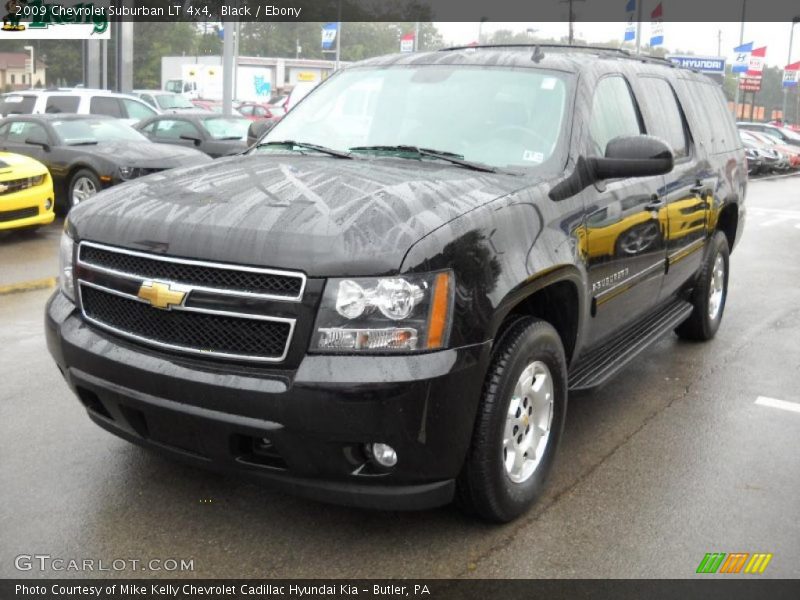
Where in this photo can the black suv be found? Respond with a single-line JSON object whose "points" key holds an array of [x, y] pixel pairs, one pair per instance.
{"points": [[386, 301]]}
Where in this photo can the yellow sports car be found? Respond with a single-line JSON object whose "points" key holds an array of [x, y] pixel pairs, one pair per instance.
{"points": [[26, 192]]}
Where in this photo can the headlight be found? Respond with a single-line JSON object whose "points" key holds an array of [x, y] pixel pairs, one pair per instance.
{"points": [[126, 173], [37, 180], [386, 314], [66, 281]]}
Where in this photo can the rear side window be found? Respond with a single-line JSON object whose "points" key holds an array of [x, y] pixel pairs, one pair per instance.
{"points": [[105, 105], [137, 110], [22, 131], [62, 104], [614, 113], [17, 105], [712, 118], [665, 116]]}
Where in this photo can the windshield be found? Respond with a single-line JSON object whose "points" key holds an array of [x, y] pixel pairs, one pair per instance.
{"points": [[167, 101], [174, 85], [80, 131], [500, 117], [226, 128]]}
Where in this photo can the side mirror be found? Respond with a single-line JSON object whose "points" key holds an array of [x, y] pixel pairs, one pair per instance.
{"points": [[43, 145], [257, 129], [627, 156], [192, 138], [635, 156]]}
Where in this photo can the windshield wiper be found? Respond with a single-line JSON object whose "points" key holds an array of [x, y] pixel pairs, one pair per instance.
{"points": [[84, 143], [315, 147], [451, 157], [228, 138]]}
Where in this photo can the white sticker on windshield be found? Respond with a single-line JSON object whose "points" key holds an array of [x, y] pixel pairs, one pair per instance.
{"points": [[549, 83], [12, 99], [17, 128], [531, 156]]}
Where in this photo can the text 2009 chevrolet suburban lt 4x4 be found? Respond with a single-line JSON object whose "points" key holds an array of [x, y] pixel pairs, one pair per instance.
{"points": [[387, 300]]}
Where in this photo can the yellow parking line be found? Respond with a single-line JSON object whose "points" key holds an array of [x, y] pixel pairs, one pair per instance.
{"points": [[28, 286]]}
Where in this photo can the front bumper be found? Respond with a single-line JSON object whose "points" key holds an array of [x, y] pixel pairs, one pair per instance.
{"points": [[302, 430], [36, 197]]}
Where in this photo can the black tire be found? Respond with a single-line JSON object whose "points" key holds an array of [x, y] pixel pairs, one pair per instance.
{"points": [[485, 487], [80, 176], [701, 325]]}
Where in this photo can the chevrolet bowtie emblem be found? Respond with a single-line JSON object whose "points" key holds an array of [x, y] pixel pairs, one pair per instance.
{"points": [[161, 295]]}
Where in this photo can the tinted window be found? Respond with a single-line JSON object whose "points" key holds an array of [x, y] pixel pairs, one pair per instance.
{"points": [[105, 105], [22, 131], [614, 113], [666, 119], [137, 110], [17, 105], [246, 110], [171, 129], [260, 111], [711, 123], [62, 104]]}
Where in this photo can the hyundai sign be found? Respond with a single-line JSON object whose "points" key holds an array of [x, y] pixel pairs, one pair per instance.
{"points": [[704, 64]]}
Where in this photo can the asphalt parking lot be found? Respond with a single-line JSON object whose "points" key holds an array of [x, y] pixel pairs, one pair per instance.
{"points": [[672, 459]]}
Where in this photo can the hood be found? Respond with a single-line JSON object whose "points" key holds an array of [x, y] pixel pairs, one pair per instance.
{"points": [[146, 154], [322, 215], [13, 165]]}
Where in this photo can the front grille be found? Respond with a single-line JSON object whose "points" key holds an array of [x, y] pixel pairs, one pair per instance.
{"points": [[17, 185], [198, 332], [20, 213], [220, 277], [208, 309]]}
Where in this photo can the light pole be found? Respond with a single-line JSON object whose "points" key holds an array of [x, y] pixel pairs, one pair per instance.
{"points": [[480, 29], [795, 21], [33, 64]]}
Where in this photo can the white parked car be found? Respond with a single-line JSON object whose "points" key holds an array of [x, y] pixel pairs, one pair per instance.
{"points": [[166, 102], [76, 101]]}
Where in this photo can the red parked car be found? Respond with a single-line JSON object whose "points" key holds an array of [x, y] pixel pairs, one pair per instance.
{"points": [[256, 111], [212, 106]]}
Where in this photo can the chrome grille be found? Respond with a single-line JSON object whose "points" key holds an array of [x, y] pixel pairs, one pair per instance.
{"points": [[115, 299], [219, 277]]}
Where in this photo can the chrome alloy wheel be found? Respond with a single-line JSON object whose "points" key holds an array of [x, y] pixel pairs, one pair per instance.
{"points": [[83, 189], [716, 291], [528, 422]]}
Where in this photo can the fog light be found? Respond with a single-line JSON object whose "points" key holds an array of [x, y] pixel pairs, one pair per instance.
{"points": [[384, 455], [48, 204]]}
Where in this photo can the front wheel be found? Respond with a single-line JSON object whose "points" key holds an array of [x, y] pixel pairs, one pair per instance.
{"points": [[83, 185], [709, 294], [519, 423]]}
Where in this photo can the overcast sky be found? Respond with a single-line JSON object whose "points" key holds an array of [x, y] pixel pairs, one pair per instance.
{"points": [[700, 38]]}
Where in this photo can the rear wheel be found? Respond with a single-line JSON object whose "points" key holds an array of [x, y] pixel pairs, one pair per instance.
{"points": [[83, 185], [710, 294], [519, 423]]}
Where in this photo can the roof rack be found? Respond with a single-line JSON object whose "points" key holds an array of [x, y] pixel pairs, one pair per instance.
{"points": [[618, 52]]}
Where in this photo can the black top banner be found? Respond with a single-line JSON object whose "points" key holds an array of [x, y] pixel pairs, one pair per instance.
{"points": [[407, 10]]}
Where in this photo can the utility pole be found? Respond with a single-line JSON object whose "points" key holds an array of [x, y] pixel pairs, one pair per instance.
{"points": [[416, 36], [338, 35], [795, 21], [639, 26], [741, 41], [719, 42], [227, 67], [571, 9]]}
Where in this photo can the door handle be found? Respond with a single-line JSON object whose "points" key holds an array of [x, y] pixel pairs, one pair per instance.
{"points": [[655, 203]]}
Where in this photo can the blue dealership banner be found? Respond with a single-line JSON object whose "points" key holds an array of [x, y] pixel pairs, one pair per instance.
{"points": [[706, 64], [329, 33]]}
